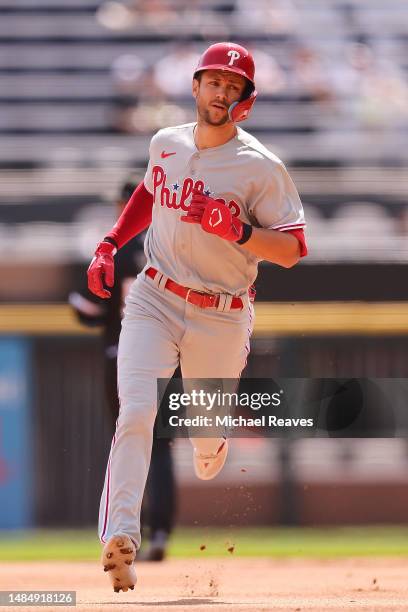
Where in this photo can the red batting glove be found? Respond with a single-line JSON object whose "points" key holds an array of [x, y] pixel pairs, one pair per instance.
{"points": [[102, 269], [197, 206], [214, 217]]}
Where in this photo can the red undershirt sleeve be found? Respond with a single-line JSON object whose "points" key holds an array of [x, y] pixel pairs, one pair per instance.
{"points": [[136, 217], [300, 235]]}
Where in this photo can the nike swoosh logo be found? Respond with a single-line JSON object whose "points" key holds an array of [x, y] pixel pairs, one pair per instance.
{"points": [[164, 154]]}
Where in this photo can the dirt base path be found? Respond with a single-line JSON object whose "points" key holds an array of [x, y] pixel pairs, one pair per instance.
{"points": [[212, 585]]}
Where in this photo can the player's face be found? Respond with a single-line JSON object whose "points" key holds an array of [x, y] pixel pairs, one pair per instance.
{"points": [[215, 92]]}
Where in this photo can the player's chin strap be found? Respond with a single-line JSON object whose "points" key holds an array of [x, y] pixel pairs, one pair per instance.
{"points": [[239, 111]]}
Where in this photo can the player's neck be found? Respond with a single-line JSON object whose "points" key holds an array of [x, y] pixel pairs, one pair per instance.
{"points": [[207, 136]]}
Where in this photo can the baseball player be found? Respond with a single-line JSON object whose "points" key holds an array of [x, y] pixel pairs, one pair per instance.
{"points": [[216, 202]]}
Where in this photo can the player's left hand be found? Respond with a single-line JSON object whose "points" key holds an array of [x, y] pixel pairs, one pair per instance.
{"points": [[214, 217]]}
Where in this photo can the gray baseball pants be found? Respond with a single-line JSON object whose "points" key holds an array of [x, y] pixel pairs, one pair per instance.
{"points": [[159, 330]]}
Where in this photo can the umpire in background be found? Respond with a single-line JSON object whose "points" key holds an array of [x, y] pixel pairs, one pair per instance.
{"points": [[93, 311]]}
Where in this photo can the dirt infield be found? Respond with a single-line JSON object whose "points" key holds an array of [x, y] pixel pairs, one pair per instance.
{"points": [[212, 585]]}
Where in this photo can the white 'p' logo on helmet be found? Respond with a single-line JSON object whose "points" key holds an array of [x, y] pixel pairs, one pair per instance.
{"points": [[234, 55]]}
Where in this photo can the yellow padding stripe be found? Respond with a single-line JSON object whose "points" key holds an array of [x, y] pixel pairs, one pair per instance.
{"points": [[46, 319], [362, 318], [281, 318]]}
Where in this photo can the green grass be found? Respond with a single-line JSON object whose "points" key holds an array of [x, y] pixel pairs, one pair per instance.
{"points": [[302, 542], [248, 542]]}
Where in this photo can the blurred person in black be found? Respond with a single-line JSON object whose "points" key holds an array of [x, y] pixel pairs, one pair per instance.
{"points": [[93, 311]]}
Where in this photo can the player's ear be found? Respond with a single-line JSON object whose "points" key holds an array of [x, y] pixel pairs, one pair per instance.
{"points": [[196, 87]]}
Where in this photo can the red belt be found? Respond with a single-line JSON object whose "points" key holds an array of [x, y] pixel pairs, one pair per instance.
{"points": [[198, 298]]}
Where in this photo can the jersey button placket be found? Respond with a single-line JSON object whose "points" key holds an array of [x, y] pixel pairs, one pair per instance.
{"points": [[193, 164], [188, 246]]}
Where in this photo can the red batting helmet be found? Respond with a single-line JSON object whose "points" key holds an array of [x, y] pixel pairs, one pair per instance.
{"points": [[233, 58]]}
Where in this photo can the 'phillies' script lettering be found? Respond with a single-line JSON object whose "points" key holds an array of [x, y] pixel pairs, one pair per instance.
{"points": [[178, 199]]}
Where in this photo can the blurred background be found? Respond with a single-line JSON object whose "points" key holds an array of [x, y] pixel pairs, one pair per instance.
{"points": [[83, 86]]}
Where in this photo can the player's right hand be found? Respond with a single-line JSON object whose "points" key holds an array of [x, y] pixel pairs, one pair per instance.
{"points": [[101, 270]]}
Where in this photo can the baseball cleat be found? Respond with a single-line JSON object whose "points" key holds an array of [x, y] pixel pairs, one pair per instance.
{"points": [[118, 558], [207, 467], [153, 553], [157, 547]]}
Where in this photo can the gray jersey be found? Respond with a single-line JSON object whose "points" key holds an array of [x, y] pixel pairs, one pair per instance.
{"points": [[244, 175]]}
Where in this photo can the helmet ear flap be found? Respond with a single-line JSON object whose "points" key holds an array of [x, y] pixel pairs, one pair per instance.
{"points": [[239, 111]]}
